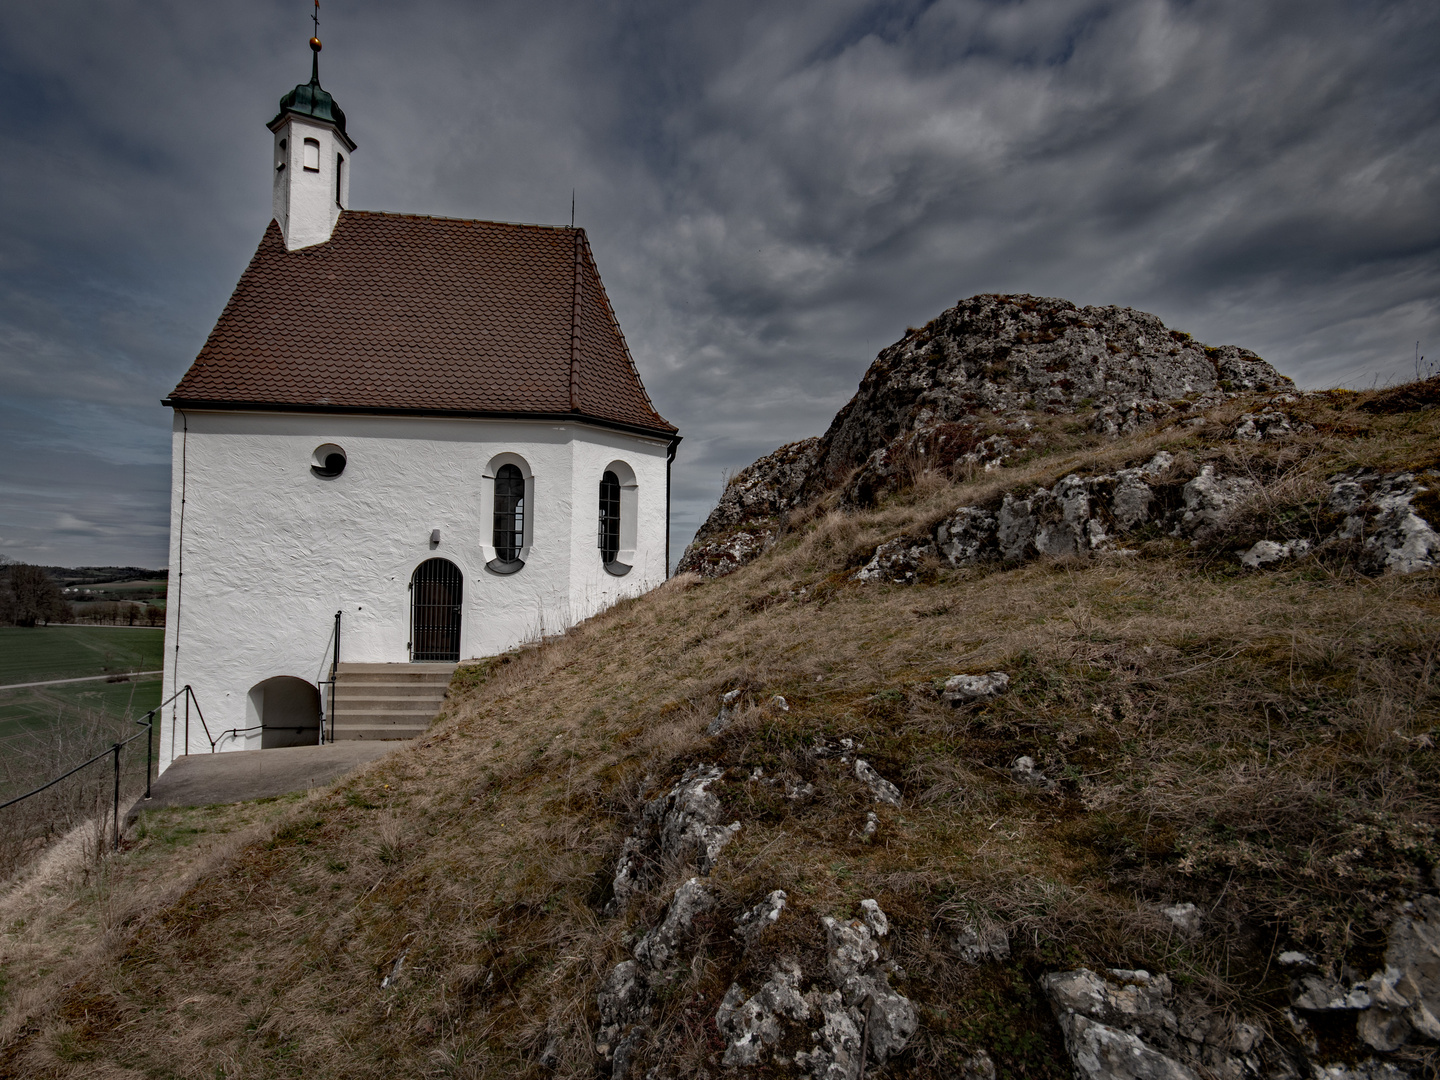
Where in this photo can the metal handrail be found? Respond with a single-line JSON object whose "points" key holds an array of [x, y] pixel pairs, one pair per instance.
{"points": [[114, 751], [330, 682]]}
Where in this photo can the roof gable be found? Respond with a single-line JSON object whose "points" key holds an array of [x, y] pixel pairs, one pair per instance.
{"points": [[406, 314]]}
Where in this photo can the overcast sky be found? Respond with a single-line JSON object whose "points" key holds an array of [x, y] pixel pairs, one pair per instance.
{"points": [[773, 192]]}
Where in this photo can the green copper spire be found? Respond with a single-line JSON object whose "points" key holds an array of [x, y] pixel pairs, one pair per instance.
{"points": [[309, 99]]}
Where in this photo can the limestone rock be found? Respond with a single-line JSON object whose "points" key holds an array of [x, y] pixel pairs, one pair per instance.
{"points": [[853, 963], [623, 1000], [883, 790], [1210, 502], [659, 948], [836, 1055], [1125, 1016], [751, 511], [729, 705], [1025, 772], [956, 393], [874, 918], [680, 824], [999, 355], [963, 689], [1264, 552], [1316, 993], [1406, 995], [1268, 423], [751, 924], [750, 1026], [898, 561], [1185, 917], [975, 943], [1101, 1052]]}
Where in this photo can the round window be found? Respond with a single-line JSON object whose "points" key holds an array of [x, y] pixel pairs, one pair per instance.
{"points": [[328, 461]]}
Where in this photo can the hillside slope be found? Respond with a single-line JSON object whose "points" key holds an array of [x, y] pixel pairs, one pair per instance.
{"points": [[513, 895]]}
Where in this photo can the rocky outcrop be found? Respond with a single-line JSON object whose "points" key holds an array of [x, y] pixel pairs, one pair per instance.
{"points": [[858, 1017], [1002, 355], [1129, 1025], [681, 824], [626, 999], [1079, 515], [961, 391], [751, 511]]}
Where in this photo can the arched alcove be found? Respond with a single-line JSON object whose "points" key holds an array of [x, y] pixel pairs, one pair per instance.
{"points": [[287, 710]]}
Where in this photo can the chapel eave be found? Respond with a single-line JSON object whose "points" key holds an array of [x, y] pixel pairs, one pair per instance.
{"points": [[669, 434]]}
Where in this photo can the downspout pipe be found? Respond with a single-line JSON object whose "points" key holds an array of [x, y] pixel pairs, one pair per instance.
{"points": [[669, 461]]}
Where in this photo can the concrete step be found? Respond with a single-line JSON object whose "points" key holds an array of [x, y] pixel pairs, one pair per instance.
{"points": [[395, 678], [366, 713], [349, 734], [348, 691], [445, 670], [388, 701]]}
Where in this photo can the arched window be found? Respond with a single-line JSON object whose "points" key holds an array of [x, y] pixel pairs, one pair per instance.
{"points": [[312, 155], [509, 535], [619, 503], [608, 540]]}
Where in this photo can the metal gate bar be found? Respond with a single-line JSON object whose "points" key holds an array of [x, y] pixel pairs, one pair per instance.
{"points": [[436, 590]]}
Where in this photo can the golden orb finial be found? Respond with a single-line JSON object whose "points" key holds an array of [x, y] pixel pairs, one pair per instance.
{"points": [[315, 44]]}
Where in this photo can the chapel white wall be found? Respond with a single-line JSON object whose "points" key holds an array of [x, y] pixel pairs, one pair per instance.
{"points": [[271, 552]]}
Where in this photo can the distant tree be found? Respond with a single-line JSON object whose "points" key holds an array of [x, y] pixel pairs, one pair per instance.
{"points": [[28, 596]]}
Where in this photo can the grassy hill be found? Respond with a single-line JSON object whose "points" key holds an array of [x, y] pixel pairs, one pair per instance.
{"points": [[1259, 743]]}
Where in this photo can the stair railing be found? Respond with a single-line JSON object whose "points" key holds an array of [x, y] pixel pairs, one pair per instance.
{"points": [[327, 708]]}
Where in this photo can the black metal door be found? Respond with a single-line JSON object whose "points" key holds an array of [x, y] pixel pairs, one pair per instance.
{"points": [[435, 593]]}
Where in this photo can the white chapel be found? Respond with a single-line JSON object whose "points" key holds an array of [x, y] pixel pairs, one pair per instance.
{"points": [[407, 441]]}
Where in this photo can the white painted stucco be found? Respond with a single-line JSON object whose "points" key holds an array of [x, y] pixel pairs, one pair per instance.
{"points": [[304, 201], [263, 552]]}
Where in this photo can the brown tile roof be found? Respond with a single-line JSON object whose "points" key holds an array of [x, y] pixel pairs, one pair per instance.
{"points": [[397, 313]]}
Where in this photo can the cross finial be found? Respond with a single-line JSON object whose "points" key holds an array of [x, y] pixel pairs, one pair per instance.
{"points": [[315, 18]]}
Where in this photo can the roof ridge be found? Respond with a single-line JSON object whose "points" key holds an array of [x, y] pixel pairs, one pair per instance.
{"points": [[615, 322], [465, 221]]}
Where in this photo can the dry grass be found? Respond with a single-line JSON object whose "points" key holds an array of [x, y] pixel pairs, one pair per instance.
{"points": [[1259, 744]]}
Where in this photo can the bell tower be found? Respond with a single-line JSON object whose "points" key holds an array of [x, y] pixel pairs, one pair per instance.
{"points": [[312, 159]]}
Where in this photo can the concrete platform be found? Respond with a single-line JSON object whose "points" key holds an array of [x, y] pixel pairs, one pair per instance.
{"points": [[241, 775]]}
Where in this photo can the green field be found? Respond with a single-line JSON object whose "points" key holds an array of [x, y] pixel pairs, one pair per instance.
{"points": [[66, 652]]}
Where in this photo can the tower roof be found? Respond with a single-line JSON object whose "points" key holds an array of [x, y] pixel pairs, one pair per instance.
{"points": [[313, 101], [403, 314]]}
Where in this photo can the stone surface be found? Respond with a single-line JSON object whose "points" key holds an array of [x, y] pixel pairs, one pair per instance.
{"points": [[750, 511], [1211, 500], [836, 1055], [974, 943], [1264, 552], [752, 1025], [1317, 993], [1186, 917], [1101, 1052], [729, 705], [853, 964], [624, 1000], [659, 948], [681, 824], [1025, 772], [1121, 1016], [751, 924], [958, 393], [1406, 995], [963, 689], [882, 789]]}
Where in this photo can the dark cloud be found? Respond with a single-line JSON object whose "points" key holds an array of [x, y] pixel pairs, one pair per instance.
{"points": [[773, 192]]}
